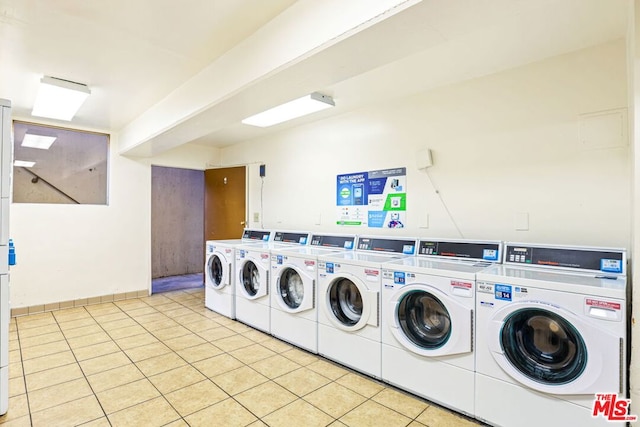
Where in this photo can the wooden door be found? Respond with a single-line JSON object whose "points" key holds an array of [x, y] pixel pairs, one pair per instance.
{"points": [[224, 203]]}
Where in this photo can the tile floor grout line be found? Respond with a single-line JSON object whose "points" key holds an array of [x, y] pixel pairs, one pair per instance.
{"points": [[178, 355], [138, 368], [244, 365], [80, 366], [24, 376], [188, 303]]}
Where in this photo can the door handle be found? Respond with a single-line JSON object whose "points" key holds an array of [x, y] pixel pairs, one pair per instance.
{"points": [[242, 223]]}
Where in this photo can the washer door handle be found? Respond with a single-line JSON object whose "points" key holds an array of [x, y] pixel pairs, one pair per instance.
{"points": [[372, 305]]}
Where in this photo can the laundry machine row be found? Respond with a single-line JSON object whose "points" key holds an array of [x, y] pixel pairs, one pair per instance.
{"points": [[219, 271], [294, 302], [253, 265], [533, 341]]}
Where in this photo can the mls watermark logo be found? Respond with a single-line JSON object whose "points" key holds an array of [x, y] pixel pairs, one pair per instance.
{"points": [[612, 408]]}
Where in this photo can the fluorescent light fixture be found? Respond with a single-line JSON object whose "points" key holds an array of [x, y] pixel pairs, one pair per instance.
{"points": [[59, 99], [37, 141], [23, 164], [291, 110]]}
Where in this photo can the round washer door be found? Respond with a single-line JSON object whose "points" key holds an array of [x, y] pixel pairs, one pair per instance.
{"points": [[349, 305], [428, 322], [252, 280], [217, 271], [552, 350], [295, 290]]}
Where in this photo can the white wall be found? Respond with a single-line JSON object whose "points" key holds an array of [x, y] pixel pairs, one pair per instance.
{"points": [[503, 144], [188, 157], [69, 252]]}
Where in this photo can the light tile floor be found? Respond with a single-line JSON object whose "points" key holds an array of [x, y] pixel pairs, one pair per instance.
{"points": [[167, 360]]}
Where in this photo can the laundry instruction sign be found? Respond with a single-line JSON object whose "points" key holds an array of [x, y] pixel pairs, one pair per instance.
{"points": [[375, 199]]}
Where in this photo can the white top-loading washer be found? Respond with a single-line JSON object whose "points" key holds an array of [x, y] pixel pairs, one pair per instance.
{"points": [[294, 307], [428, 305], [349, 301], [253, 265], [551, 333], [220, 272]]}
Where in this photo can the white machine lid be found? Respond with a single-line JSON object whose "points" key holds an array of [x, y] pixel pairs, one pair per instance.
{"points": [[266, 245], [304, 251], [360, 258], [438, 266], [230, 242], [567, 281]]}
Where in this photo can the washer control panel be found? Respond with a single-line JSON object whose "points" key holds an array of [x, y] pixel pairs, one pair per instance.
{"points": [[611, 261], [468, 250], [327, 241]]}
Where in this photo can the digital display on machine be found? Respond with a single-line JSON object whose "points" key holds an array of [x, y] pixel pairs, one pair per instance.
{"points": [[584, 259], [401, 246], [470, 250], [342, 242], [256, 234], [286, 237]]}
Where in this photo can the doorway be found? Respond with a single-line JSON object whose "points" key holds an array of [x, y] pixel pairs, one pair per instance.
{"points": [[177, 228]]}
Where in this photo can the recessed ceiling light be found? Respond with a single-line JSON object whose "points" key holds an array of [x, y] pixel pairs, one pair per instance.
{"points": [[291, 110], [23, 164], [59, 99], [38, 141]]}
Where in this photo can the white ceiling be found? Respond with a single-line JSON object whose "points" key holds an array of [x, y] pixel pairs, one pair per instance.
{"points": [[133, 53]]}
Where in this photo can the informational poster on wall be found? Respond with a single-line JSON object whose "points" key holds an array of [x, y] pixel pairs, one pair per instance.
{"points": [[375, 199]]}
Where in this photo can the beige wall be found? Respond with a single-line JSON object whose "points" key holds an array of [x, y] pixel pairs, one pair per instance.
{"points": [[518, 141]]}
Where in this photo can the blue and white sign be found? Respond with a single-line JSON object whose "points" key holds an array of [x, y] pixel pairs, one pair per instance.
{"points": [[490, 254], [503, 292], [376, 199], [611, 265]]}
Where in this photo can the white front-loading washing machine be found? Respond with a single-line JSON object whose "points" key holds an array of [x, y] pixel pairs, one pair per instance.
{"points": [[428, 305], [349, 301], [219, 292], [551, 328], [253, 265], [294, 308]]}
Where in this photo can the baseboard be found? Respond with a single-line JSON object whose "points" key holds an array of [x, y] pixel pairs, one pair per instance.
{"points": [[25, 311]]}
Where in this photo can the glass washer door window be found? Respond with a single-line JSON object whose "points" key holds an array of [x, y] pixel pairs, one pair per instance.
{"points": [[250, 278], [543, 346], [291, 288], [346, 302], [216, 270], [424, 319]]}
